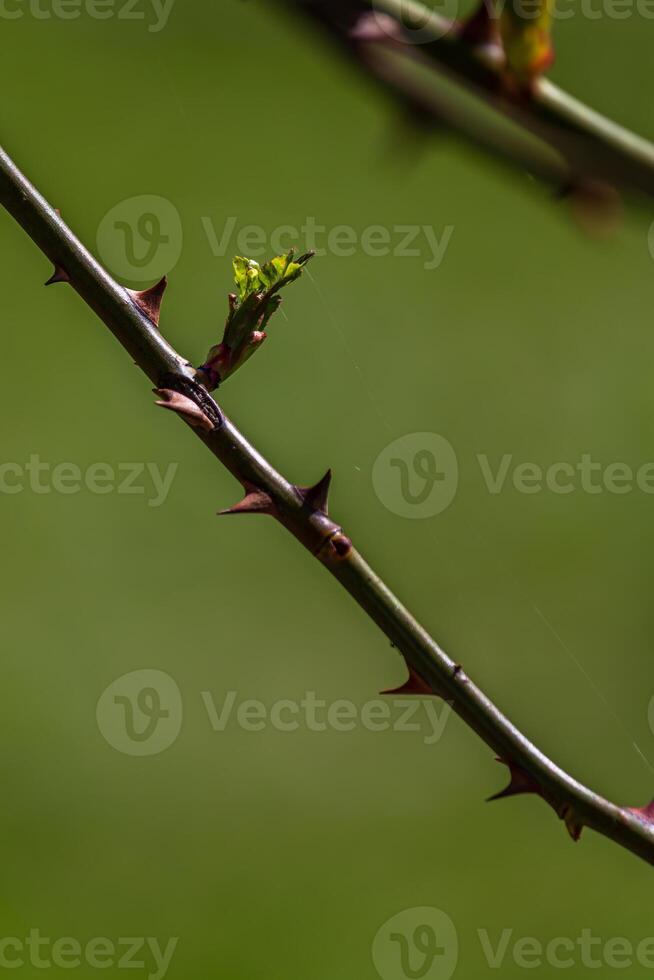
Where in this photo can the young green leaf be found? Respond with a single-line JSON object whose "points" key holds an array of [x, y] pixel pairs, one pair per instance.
{"points": [[250, 311]]}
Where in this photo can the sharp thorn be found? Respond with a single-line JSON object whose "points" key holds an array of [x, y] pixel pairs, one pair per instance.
{"points": [[414, 684], [181, 405], [149, 300], [254, 502], [511, 790], [573, 825], [59, 275], [317, 497], [521, 782]]}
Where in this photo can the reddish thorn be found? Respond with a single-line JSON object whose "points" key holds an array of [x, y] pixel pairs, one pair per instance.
{"points": [[415, 684], [521, 782], [645, 813], [574, 827], [317, 497], [181, 405], [254, 502], [59, 275], [149, 300]]}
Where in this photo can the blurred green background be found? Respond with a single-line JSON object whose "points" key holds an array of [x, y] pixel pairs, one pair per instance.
{"points": [[281, 854]]}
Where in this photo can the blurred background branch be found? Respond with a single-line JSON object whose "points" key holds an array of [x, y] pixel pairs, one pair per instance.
{"points": [[436, 70]]}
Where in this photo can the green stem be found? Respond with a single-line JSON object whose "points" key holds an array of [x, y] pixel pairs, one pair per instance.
{"points": [[311, 526]]}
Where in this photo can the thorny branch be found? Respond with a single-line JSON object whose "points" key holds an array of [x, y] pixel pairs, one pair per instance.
{"points": [[133, 319]]}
